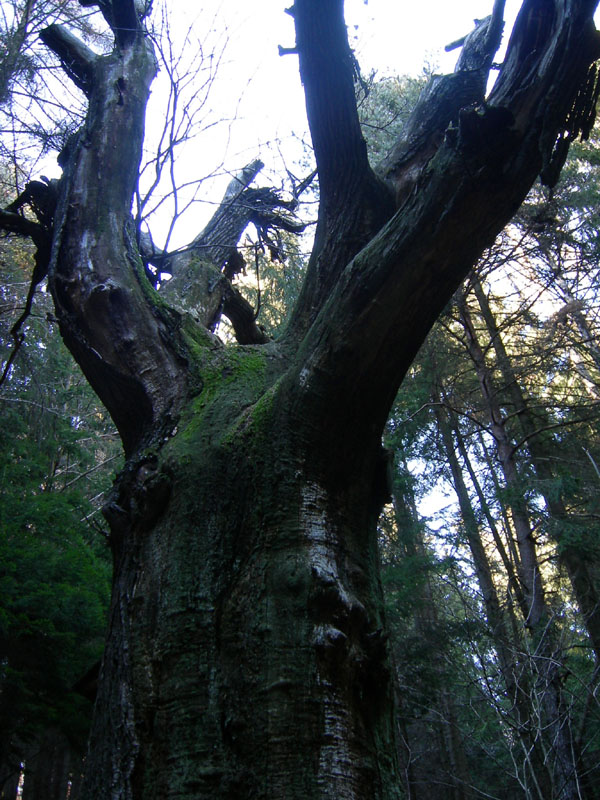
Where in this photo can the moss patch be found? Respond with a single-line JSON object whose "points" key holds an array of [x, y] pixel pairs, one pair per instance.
{"points": [[233, 380]]}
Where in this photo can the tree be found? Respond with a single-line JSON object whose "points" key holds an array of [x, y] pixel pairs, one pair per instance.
{"points": [[38, 108], [515, 663], [466, 383], [246, 653], [55, 454]]}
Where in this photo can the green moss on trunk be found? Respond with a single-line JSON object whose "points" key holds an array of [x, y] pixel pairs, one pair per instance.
{"points": [[250, 613]]}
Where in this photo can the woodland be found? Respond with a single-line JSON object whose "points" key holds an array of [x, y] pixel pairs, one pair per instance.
{"points": [[309, 507]]}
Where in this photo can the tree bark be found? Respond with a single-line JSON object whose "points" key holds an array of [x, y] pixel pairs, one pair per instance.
{"points": [[217, 706]]}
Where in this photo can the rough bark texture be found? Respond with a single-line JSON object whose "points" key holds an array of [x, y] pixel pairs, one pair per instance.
{"points": [[246, 654]]}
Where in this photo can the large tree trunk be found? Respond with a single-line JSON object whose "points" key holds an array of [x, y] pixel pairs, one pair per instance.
{"points": [[245, 654]]}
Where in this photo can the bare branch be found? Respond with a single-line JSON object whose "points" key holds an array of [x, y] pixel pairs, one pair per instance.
{"points": [[243, 318], [76, 58]]}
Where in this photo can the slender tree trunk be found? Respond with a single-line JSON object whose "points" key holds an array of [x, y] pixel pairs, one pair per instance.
{"points": [[509, 535], [76, 781], [588, 339], [47, 768], [480, 560], [450, 755], [545, 658], [576, 562], [506, 555], [8, 790], [406, 758], [529, 573], [518, 683]]}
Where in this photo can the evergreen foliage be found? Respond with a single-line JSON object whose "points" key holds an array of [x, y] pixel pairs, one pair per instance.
{"points": [[57, 452]]}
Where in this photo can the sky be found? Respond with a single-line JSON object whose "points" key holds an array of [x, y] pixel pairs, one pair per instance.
{"points": [[388, 36], [263, 90]]}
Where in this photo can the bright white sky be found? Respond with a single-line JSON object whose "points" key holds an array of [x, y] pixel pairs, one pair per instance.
{"points": [[389, 36]]}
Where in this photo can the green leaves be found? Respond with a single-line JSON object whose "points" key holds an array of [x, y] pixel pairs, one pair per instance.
{"points": [[56, 454]]}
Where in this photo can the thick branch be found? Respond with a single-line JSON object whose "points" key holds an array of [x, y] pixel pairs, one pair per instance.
{"points": [[388, 297], [239, 207], [124, 340], [241, 181], [439, 106], [202, 273], [202, 291], [353, 202], [12, 222], [221, 234], [526, 77], [41, 197], [76, 59], [241, 315], [327, 71], [223, 231], [122, 16], [481, 44]]}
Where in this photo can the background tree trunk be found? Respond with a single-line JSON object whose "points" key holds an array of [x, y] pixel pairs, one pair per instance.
{"points": [[47, 768], [576, 562]]}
